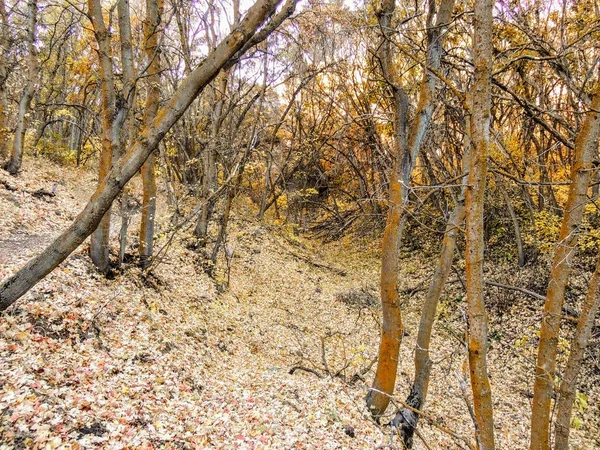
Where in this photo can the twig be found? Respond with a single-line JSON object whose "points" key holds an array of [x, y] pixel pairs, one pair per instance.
{"points": [[420, 436], [516, 288], [462, 382], [305, 369], [324, 357]]}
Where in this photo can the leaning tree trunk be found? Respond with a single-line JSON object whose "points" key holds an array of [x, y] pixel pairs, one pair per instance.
{"points": [[577, 350], [543, 389], [99, 245], [18, 284], [154, 12], [16, 156], [407, 148], [480, 138], [407, 420]]}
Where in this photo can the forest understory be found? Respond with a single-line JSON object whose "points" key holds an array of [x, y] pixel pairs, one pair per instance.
{"points": [[281, 358]]}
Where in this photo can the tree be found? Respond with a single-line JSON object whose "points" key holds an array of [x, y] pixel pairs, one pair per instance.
{"points": [[100, 242], [16, 157], [4, 46], [18, 284], [543, 390], [580, 341], [151, 34], [407, 144], [480, 138]]}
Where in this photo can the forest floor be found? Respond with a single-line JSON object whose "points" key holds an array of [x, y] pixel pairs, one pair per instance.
{"points": [[177, 360]]}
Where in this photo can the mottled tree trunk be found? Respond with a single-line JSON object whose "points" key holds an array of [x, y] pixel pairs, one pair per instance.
{"points": [[16, 156], [100, 245], [579, 344], [384, 382], [124, 126], [209, 158], [151, 33], [480, 138], [4, 44], [18, 284], [543, 390]]}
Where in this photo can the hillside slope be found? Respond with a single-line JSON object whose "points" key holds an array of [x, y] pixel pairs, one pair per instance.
{"points": [[169, 361]]}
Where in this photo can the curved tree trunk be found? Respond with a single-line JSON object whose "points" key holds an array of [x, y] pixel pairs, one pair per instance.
{"points": [[18, 284], [384, 382], [543, 389], [480, 138]]}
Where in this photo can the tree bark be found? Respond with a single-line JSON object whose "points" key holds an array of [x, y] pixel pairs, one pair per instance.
{"points": [[480, 138], [18, 284], [579, 344], [209, 158], [543, 390], [384, 382], [124, 127], [153, 13], [100, 245], [4, 44], [16, 157]]}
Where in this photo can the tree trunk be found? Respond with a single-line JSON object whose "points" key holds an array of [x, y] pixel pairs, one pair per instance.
{"points": [[209, 158], [167, 177], [18, 284], [4, 44], [514, 220], [153, 11], [125, 129], [16, 157], [578, 346], [543, 390], [266, 184], [407, 420], [406, 151], [480, 138], [100, 245]]}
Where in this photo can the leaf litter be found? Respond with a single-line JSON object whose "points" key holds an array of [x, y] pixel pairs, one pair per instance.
{"points": [[171, 362]]}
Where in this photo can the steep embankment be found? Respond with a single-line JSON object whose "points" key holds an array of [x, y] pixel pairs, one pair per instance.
{"points": [[169, 362]]}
